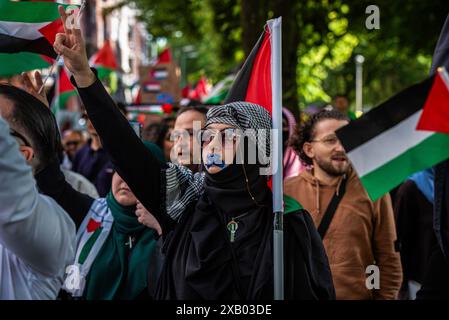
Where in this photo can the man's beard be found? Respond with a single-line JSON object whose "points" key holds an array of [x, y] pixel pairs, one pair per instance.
{"points": [[330, 169]]}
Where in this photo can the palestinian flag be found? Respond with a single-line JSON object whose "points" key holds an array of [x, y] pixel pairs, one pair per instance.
{"points": [[200, 91], [219, 92], [13, 64], [159, 74], [152, 87], [29, 27], [104, 61], [253, 82], [401, 136], [164, 57], [65, 90]]}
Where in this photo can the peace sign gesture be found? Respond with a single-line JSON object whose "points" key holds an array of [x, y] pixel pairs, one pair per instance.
{"points": [[70, 45]]}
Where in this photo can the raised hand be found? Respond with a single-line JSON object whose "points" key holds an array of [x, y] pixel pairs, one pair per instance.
{"points": [[32, 84], [70, 45]]}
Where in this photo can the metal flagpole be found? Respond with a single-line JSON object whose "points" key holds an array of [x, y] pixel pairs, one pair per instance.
{"points": [[359, 59], [275, 26], [57, 90]]}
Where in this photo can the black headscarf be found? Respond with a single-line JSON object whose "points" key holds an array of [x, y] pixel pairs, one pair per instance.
{"points": [[201, 262]]}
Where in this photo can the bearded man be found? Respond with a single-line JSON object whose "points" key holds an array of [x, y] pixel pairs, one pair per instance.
{"points": [[358, 235]]}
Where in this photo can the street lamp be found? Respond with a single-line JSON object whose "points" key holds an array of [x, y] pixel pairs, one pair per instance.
{"points": [[359, 60]]}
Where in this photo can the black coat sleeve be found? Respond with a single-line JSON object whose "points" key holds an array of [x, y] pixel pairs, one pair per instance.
{"points": [[133, 161], [51, 182]]}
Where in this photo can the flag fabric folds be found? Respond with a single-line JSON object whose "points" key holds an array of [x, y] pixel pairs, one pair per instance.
{"points": [[13, 64], [253, 82], [104, 61], [399, 137], [29, 27], [65, 90]]}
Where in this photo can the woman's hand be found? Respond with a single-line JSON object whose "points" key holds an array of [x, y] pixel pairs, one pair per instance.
{"points": [[70, 45], [32, 85], [147, 219]]}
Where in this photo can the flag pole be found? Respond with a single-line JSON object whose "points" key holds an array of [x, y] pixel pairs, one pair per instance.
{"points": [[275, 26], [58, 90], [58, 57]]}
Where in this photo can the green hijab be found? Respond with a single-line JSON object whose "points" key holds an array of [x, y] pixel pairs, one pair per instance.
{"points": [[121, 272]]}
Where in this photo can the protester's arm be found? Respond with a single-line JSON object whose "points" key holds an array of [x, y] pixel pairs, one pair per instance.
{"points": [[51, 181], [32, 226], [385, 255], [135, 164], [133, 161]]}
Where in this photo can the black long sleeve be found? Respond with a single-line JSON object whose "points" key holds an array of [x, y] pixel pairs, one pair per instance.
{"points": [[133, 161], [51, 182]]}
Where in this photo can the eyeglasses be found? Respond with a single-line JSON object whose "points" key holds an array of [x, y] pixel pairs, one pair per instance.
{"points": [[175, 135], [328, 141], [16, 134], [227, 134]]}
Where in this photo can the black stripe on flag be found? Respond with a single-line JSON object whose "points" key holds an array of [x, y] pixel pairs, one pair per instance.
{"points": [[240, 85], [387, 115], [10, 44]]}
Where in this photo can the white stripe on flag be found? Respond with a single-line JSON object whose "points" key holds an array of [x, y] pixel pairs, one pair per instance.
{"points": [[388, 145], [27, 31], [153, 87], [160, 74]]}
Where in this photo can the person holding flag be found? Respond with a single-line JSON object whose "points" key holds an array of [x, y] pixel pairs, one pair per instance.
{"points": [[216, 225]]}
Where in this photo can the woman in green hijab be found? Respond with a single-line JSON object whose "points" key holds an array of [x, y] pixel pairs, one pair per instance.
{"points": [[113, 249]]}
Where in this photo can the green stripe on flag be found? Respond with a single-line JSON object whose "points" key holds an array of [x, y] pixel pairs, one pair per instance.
{"points": [[428, 153], [219, 98], [31, 12], [291, 205], [103, 72], [12, 64], [64, 97]]}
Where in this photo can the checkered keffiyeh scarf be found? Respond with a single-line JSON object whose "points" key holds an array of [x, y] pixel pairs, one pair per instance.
{"points": [[244, 116], [182, 187]]}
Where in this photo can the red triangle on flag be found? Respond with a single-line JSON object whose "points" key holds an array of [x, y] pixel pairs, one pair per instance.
{"points": [[51, 29], [47, 59], [201, 90], [138, 99], [435, 114], [259, 86], [164, 56], [253, 82], [105, 57], [64, 82]]}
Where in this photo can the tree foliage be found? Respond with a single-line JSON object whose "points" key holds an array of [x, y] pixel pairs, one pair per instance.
{"points": [[320, 40]]}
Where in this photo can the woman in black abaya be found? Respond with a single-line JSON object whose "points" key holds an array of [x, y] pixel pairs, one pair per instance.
{"points": [[217, 224]]}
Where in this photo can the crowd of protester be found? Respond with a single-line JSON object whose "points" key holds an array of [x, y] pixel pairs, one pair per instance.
{"points": [[107, 214]]}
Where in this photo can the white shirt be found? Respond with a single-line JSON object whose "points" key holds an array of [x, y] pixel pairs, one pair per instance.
{"points": [[37, 237]]}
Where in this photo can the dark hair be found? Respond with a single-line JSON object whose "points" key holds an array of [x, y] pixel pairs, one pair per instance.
{"points": [[305, 132], [155, 133], [37, 122], [198, 108]]}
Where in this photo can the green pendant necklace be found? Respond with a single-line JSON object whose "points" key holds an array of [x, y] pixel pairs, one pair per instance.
{"points": [[233, 225]]}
